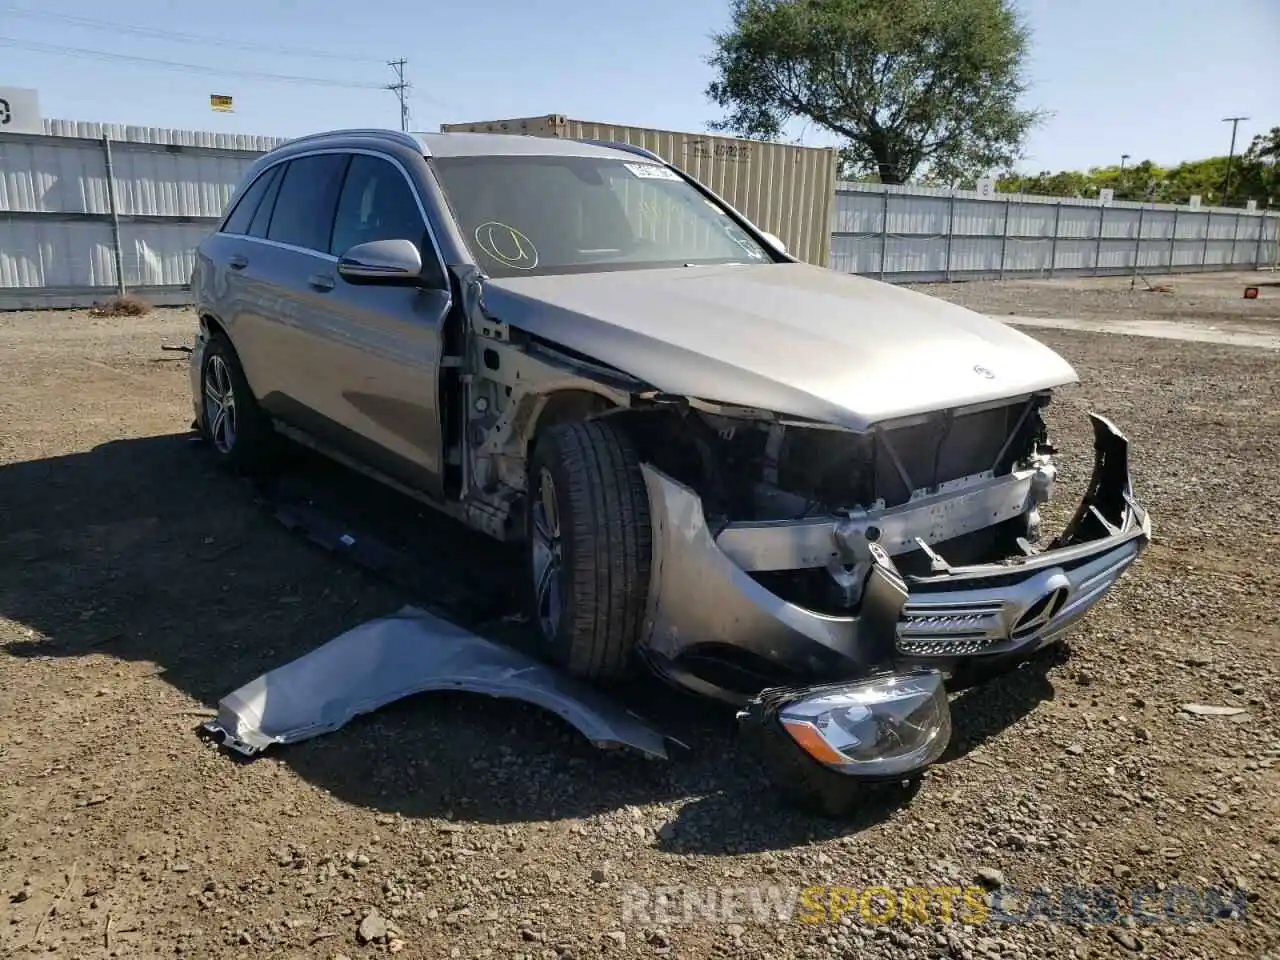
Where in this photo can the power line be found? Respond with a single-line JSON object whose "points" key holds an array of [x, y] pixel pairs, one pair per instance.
{"points": [[56, 50], [158, 34]]}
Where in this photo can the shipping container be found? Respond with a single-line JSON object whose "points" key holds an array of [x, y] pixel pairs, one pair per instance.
{"points": [[784, 189]]}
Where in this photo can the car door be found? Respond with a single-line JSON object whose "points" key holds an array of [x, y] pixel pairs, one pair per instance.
{"points": [[287, 250], [225, 282], [378, 346]]}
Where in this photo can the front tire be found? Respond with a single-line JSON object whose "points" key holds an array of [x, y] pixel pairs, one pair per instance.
{"points": [[231, 421], [589, 543]]}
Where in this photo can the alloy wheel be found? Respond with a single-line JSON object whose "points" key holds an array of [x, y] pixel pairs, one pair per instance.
{"points": [[220, 404], [547, 556]]}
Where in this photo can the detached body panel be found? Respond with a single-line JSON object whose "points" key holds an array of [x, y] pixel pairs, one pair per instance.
{"points": [[394, 657]]}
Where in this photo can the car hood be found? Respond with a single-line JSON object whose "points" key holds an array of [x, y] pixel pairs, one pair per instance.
{"points": [[791, 338]]}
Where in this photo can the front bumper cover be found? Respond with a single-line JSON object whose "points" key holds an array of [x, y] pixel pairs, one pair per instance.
{"points": [[700, 597]]}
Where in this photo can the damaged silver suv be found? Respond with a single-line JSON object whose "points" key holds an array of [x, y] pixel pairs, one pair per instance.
{"points": [[811, 495]]}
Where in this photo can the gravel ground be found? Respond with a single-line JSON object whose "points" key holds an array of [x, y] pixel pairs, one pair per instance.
{"points": [[1206, 298], [138, 585]]}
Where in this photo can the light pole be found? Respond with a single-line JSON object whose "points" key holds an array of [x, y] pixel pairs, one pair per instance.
{"points": [[1226, 189], [1123, 158]]}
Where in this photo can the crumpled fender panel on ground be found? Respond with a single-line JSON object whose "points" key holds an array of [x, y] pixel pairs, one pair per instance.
{"points": [[397, 656]]}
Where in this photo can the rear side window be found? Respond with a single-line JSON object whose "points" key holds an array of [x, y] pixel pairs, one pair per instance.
{"points": [[306, 201], [243, 213], [258, 226]]}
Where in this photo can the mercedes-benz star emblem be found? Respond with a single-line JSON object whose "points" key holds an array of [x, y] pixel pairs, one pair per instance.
{"points": [[1041, 612]]}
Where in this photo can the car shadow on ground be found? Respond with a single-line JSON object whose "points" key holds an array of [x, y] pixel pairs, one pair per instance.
{"points": [[985, 708], [143, 550]]}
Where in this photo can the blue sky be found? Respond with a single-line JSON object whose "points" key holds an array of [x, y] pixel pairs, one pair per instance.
{"points": [[1151, 78]]}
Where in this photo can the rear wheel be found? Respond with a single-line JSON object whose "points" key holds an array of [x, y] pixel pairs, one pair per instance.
{"points": [[239, 432], [588, 548]]}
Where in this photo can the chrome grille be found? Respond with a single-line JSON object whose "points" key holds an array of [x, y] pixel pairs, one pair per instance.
{"points": [[994, 619], [949, 629]]}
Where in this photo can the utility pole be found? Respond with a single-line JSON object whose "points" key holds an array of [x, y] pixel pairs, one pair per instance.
{"points": [[1226, 190], [401, 89]]}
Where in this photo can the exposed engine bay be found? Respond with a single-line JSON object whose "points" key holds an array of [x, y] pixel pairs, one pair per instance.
{"points": [[935, 478], [776, 473]]}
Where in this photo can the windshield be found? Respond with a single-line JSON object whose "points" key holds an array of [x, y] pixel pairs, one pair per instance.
{"points": [[545, 215]]}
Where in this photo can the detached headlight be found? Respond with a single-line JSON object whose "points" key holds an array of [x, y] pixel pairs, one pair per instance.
{"points": [[877, 728]]}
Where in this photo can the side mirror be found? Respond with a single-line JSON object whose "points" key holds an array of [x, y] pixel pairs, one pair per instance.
{"points": [[774, 241], [381, 261]]}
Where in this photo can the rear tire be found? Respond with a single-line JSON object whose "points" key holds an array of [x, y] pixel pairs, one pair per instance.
{"points": [[589, 543], [231, 421]]}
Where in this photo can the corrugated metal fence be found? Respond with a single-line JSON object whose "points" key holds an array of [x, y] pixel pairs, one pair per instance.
{"points": [[922, 234], [88, 209]]}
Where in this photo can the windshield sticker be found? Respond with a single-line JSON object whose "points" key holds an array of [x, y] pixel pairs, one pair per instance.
{"points": [[652, 171], [507, 245], [751, 250]]}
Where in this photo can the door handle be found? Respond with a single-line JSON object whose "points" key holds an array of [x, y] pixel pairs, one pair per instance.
{"points": [[321, 281], [238, 262]]}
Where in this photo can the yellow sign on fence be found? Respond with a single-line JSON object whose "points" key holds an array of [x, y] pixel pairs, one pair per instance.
{"points": [[220, 102]]}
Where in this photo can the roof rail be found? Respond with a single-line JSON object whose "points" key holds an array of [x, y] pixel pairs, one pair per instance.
{"points": [[405, 139], [626, 147]]}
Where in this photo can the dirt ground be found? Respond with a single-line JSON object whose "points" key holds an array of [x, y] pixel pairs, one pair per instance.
{"points": [[1204, 298], [138, 585]]}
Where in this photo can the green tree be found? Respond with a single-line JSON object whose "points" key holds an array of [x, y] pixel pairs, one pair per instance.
{"points": [[910, 85], [1255, 176], [1067, 183], [1264, 155], [1204, 177], [1265, 147]]}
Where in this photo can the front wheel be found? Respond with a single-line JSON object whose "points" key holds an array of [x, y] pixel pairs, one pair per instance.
{"points": [[588, 547]]}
